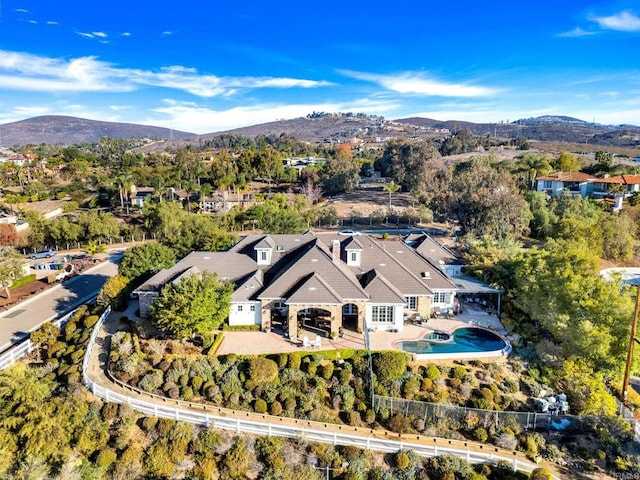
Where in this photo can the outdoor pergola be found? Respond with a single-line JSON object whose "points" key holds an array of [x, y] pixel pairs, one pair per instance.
{"points": [[469, 287]]}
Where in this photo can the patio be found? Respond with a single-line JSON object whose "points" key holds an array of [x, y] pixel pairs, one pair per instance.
{"points": [[248, 343]]}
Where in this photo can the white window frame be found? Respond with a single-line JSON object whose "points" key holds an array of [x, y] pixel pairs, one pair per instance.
{"points": [[263, 255], [441, 297], [382, 313], [547, 184], [411, 302]]}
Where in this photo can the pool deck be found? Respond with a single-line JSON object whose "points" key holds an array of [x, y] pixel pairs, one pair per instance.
{"points": [[247, 343]]}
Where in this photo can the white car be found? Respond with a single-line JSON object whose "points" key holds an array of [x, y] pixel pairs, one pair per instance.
{"points": [[349, 231]]}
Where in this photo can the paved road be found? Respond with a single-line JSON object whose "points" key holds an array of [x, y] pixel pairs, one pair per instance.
{"points": [[18, 321]]}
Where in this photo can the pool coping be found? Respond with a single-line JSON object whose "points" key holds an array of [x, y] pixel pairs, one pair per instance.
{"points": [[502, 353]]}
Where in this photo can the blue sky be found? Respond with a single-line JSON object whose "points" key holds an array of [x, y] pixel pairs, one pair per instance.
{"points": [[205, 66]]}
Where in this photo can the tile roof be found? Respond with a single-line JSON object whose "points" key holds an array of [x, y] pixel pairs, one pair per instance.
{"points": [[248, 287], [568, 177], [427, 272], [303, 270], [315, 258], [380, 290], [433, 251], [314, 290]]}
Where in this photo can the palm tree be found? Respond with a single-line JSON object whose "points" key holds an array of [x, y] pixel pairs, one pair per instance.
{"points": [[93, 248], [391, 187]]}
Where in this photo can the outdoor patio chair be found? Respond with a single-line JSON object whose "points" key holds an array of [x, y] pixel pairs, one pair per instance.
{"points": [[318, 342], [306, 343]]}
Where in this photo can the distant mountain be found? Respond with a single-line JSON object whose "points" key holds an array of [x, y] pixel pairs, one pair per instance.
{"points": [[54, 129], [547, 128], [551, 120], [314, 128]]}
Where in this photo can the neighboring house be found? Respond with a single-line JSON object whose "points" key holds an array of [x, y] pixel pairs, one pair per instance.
{"points": [[141, 196], [355, 282], [616, 187]]}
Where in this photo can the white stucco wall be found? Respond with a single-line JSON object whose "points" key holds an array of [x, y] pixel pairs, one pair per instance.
{"points": [[246, 316]]}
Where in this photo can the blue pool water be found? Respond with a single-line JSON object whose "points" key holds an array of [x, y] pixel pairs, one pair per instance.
{"points": [[465, 340]]}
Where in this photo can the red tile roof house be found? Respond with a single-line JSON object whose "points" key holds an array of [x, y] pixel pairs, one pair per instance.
{"points": [[331, 282], [586, 185]]}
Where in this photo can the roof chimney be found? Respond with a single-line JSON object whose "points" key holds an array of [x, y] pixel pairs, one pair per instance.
{"points": [[335, 250]]}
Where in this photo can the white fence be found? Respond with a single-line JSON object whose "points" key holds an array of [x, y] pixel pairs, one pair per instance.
{"points": [[291, 428], [25, 347]]}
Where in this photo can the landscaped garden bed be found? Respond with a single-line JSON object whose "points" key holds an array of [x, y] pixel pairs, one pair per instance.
{"points": [[334, 386]]}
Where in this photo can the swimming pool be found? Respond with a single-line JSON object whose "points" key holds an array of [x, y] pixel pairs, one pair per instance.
{"points": [[468, 342]]}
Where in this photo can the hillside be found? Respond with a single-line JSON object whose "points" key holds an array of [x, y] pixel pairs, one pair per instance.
{"points": [[325, 128], [54, 129]]}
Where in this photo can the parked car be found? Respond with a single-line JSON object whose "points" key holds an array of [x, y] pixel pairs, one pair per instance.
{"points": [[348, 231], [48, 253]]}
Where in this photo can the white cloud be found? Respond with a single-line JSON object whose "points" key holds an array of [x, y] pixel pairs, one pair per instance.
{"points": [[86, 35], [126, 34], [577, 32], [167, 32], [23, 71], [52, 22], [624, 21], [99, 34], [420, 84], [22, 10]]}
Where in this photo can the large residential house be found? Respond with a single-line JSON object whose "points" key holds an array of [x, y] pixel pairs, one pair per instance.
{"points": [[578, 183], [351, 282]]}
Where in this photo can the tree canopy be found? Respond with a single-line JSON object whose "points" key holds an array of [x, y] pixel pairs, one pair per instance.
{"points": [[142, 261], [197, 303]]}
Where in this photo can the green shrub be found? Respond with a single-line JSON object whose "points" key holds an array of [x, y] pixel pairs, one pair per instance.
{"points": [[276, 408], [295, 359], [390, 366], [480, 434], [109, 411], [541, 474], [241, 328], [281, 360], [312, 369], [432, 372], [149, 423], [262, 370], [427, 384], [260, 406], [459, 372], [196, 383], [165, 425], [106, 458], [327, 371], [354, 418], [370, 416], [216, 344], [187, 393], [90, 321]]}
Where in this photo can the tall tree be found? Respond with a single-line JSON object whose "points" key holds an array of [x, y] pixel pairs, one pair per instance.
{"points": [[10, 267], [341, 172], [142, 261], [391, 188], [197, 303], [485, 201]]}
